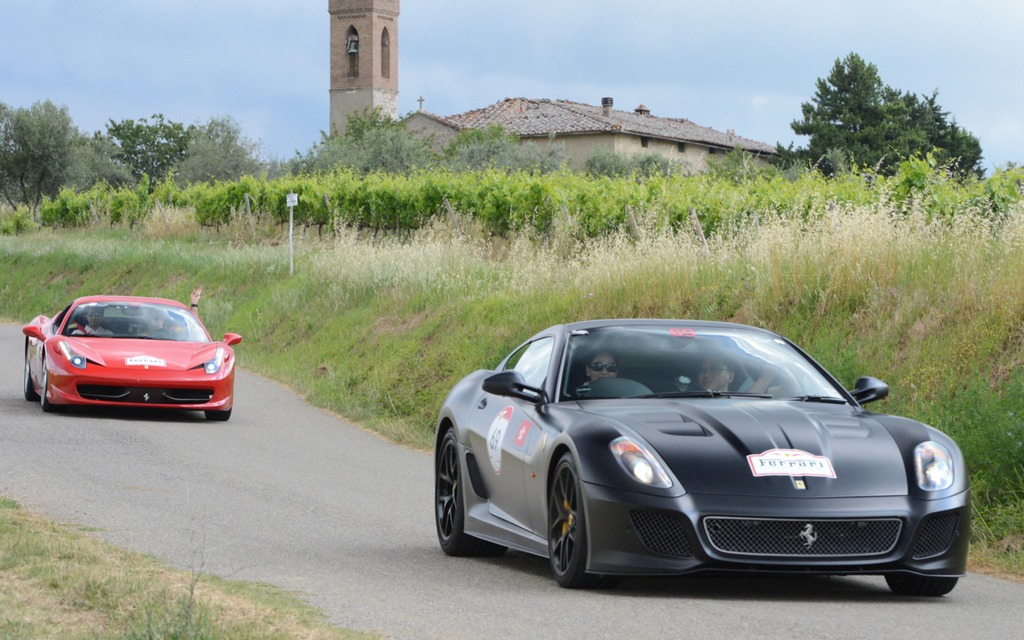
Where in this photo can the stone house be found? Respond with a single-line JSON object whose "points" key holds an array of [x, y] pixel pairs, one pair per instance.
{"points": [[584, 129]]}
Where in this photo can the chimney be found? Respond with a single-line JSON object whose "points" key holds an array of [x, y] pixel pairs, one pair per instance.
{"points": [[606, 106], [642, 111]]}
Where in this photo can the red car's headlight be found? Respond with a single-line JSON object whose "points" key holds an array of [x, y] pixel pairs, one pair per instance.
{"points": [[213, 365], [76, 360]]}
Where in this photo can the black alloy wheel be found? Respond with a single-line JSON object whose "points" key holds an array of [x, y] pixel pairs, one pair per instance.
{"points": [[567, 528], [449, 509]]}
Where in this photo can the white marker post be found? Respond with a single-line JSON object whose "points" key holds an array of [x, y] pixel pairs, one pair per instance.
{"points": [[292, 200]]}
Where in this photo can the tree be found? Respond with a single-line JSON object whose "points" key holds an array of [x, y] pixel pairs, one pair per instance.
{"points": [[92, 162], [323, 157], [35, 152], [953, 145], [218, 151], [877, 126], [372, 142], [150, 149], [493, 147]]}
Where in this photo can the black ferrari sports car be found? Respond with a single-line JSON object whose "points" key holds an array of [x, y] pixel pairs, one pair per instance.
{"points": [[661, 447]]}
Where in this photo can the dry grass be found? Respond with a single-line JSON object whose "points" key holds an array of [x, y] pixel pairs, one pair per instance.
{"points": [[59, 583]]}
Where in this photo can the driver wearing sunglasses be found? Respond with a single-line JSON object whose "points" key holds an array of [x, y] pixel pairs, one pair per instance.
{"points": [[604, 365]]}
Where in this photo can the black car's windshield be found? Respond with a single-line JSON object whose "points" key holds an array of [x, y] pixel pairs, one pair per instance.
{"points": [[141, 320], [632, 361]]}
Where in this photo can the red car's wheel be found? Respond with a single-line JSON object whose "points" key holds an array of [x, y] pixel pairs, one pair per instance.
{"points": [[30, 390], [218, 416], [44, 391]]}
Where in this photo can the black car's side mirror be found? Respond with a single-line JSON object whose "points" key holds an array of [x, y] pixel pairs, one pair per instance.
{"points": [[868, 389], [512, 384]]}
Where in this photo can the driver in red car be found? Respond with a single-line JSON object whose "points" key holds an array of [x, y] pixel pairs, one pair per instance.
{"points": [[91, 323]]}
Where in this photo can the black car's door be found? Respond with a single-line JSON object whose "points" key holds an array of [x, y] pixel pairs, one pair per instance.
{"points": [[507, 435]]}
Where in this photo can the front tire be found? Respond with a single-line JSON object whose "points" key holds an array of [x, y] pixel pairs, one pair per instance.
{"points": [[449, 505], [567, 528], [44, 392], [218, 416], [909, 584], [30, 390]]}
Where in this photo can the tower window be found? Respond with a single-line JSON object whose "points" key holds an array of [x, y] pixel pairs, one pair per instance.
{"points": [[385, 54], [352, 49]]}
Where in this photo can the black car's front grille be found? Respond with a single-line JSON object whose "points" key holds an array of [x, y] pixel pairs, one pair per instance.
{"points": [[936, 535], [144, 395], [806, 538], [661, 533]]}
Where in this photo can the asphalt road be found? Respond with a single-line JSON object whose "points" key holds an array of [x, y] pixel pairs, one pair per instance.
{"points": [[287, 494]]}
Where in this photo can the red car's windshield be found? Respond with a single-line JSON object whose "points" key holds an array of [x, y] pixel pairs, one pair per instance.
{"points": [[143, 320]]}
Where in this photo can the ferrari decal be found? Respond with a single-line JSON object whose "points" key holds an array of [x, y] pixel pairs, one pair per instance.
{"points": [[145, 361], [495, 436], [790, 462], [523, 433]]}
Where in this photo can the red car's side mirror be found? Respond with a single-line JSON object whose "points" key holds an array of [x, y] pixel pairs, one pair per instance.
{"points": [[33, 331]]}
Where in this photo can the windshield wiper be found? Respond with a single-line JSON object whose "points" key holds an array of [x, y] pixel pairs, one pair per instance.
{"points": [[824, 399], [705, 394]]}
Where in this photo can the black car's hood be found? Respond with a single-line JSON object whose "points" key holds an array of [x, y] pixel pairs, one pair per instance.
{"points": [[706, 444]]}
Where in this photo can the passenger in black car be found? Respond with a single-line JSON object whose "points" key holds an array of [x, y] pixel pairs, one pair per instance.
{"points": [[715, 374]]}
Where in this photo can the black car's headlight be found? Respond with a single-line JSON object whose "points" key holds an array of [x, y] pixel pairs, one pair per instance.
{"points": [[213, 365], [76, 360], [933, 465], [639, 463]]}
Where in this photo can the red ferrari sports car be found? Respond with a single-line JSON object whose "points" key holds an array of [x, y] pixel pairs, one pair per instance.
{"points": [[129, 351]]}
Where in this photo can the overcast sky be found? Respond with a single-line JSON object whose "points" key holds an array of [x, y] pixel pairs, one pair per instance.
{"points": [[745, 65]]}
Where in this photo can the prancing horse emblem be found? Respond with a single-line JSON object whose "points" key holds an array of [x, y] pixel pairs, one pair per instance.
{"points": [[808, 535], [145, 397]]}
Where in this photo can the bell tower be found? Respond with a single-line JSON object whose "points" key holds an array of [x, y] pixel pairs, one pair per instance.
{"points": [[364, 59]]}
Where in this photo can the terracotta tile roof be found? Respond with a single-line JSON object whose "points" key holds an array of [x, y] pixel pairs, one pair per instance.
{"points": [[538, 118]]}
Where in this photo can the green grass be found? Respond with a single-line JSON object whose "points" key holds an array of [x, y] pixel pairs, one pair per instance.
{"points": [[378, 329]]}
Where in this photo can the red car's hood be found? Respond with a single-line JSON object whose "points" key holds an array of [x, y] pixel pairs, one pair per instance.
{"points": [[719, 446], [122, 353]]}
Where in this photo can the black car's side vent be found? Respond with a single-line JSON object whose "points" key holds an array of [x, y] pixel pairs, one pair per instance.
{"points": [[936, 535], [661, 533], [479, 488]]}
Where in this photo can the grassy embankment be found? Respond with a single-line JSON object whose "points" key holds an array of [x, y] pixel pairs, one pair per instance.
{"points": [[377, 331]]}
